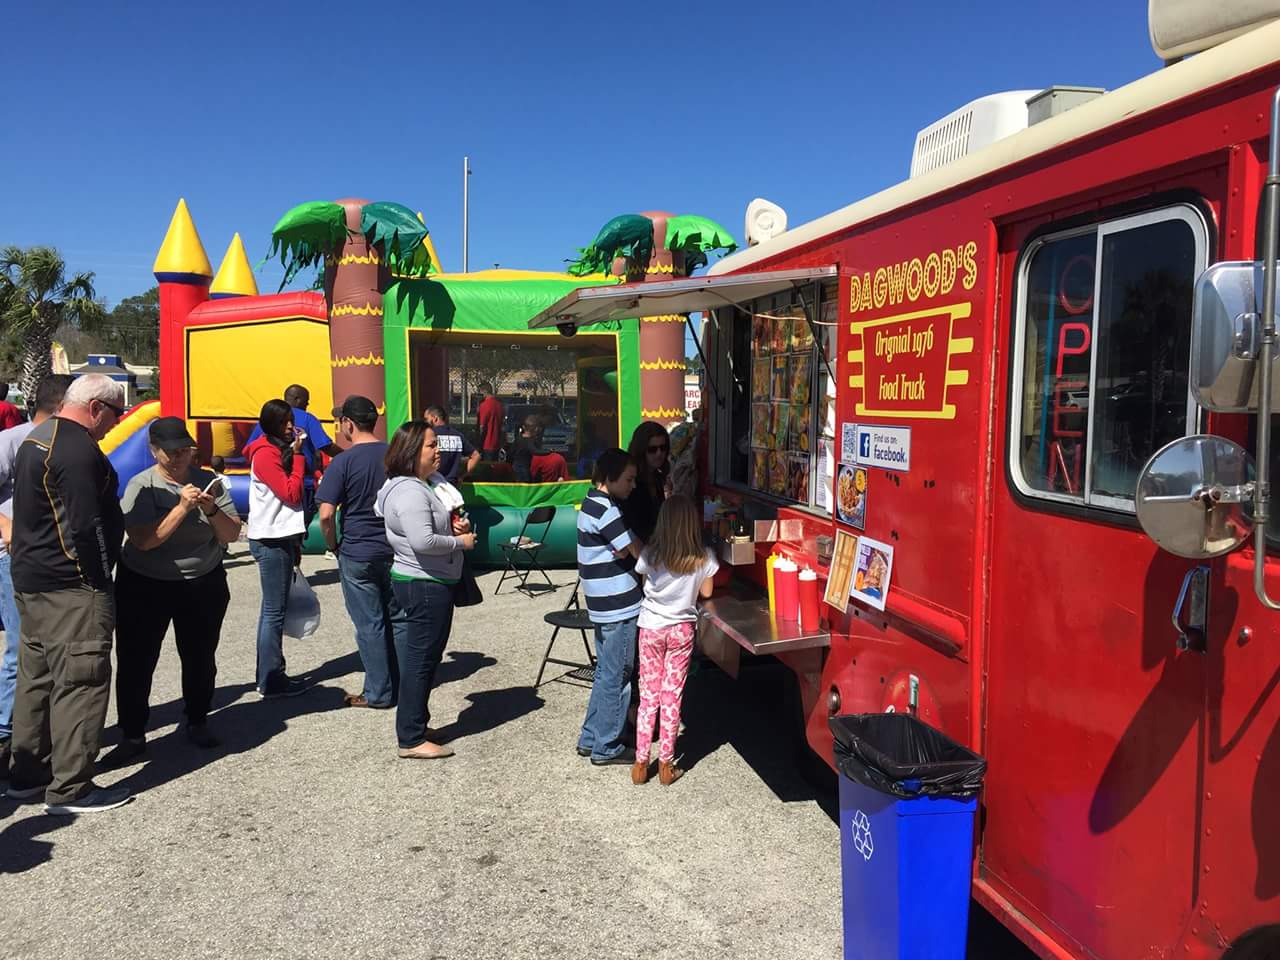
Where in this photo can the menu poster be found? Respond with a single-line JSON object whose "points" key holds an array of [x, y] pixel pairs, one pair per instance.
{"points": [[781, 389], [760, 378], [840, 574], [826, 466], [872, 567]]}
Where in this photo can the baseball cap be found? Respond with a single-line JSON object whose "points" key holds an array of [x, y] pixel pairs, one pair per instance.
{"points": [[359, 409], [170, 434]]}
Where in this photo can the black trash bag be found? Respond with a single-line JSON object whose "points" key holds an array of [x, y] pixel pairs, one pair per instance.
{"points": [[897, 754]]}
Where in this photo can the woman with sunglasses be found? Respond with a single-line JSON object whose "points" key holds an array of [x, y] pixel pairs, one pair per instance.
{"points": [[651, 450]]}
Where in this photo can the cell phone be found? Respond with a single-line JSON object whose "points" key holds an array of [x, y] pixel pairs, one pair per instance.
{"points": [[213, 487]]}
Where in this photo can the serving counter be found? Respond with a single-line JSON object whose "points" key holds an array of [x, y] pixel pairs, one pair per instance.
{"points": [[737, 618]]}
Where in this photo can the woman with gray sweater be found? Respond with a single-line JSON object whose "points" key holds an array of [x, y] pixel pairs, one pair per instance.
{"points": [[427, 534]]}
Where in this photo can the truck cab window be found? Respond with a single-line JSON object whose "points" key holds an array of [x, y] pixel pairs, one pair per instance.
{"points": [[1102, 356]]}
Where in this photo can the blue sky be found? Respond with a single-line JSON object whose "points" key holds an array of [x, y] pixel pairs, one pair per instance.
{"points": [[571, 113]]}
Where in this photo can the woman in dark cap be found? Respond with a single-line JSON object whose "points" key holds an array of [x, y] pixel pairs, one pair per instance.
{"points": [[178, 517]]}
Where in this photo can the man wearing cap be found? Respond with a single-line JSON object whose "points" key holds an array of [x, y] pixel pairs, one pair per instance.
{"points": [[351, 485], [178, 518], [48, 400], [67, 530]]}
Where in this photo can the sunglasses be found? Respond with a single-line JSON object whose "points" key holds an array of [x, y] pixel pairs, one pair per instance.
{"points": [[661, 448], [118, 411]]}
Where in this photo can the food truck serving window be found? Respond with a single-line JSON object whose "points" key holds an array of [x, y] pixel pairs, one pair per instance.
{"points": [[1101, 356], [782, 411]]}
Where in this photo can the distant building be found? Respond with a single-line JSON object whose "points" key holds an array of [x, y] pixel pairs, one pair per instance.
{"points": [[110, 365]]}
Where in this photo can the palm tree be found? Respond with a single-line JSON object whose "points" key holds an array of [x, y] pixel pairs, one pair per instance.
{"points": [[652, 246], [361, 246], [36, 297]]}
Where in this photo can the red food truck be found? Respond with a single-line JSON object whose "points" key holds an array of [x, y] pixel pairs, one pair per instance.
{"points": [[988, 374]]}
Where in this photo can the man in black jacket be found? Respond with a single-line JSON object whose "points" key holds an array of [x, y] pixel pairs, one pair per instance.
{"points": [[67, 532]]}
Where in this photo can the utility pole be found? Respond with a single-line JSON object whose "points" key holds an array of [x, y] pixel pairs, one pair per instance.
{"points": [[466, 209]]}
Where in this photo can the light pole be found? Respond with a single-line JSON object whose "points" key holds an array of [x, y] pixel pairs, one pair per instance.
{"points": [[466, 209]]}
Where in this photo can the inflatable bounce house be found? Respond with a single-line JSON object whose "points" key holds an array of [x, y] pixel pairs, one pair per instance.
{"points": [[383, 321]]}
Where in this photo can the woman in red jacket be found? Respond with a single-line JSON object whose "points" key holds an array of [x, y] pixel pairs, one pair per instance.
{"points": [[276, 529]]}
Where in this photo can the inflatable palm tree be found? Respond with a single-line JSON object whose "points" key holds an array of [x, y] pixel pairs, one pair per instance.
{"points": [[361, 246], [656, 246]]}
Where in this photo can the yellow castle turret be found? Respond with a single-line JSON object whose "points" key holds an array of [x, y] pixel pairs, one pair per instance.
{"points": [[235, 276], [182, 258]]}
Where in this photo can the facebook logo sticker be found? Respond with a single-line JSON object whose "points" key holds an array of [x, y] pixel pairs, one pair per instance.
{"points": [[886, 447]]}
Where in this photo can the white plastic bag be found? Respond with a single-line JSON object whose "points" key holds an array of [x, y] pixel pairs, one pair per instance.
{"points": [[302, 609]]}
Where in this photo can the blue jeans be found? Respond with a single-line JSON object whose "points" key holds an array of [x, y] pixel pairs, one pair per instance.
{"points": [[423, 618], [275, 572], [611, 691], [9, 662], [366, 590]]}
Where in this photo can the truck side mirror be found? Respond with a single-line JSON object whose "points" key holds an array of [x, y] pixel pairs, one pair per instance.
{"points": [[1194, 496], [1226, 330]]}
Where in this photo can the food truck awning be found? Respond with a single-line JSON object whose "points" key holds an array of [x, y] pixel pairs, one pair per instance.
{"points": [[588, 305]]}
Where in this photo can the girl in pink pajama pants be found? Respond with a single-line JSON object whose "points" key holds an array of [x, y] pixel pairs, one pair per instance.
{"points": [[677, 570]]}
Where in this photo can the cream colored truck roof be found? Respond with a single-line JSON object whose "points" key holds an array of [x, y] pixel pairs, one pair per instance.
{"points": [[1236, 57]]}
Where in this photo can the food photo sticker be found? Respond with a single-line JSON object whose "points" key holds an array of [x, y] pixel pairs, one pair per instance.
{"points": [[851, 495], [872, 567], [840, 574]]}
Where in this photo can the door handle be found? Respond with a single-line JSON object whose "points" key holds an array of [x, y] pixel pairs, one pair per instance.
{"points": [[1191, 612]]}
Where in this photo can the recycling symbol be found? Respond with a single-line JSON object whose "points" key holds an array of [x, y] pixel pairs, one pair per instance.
{"points": [[860, 827]]}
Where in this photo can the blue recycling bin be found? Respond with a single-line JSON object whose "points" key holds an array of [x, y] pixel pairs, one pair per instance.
{"points": [[905, 854]]}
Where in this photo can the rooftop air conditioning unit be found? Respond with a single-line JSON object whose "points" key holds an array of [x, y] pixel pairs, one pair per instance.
{"points": [[969, 129]]}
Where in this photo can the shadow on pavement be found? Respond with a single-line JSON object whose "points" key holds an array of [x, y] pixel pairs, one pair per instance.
{"points": [[756, 717], [461, 664], [21, 848], [321, 578], [243, 725], [490, 709]]}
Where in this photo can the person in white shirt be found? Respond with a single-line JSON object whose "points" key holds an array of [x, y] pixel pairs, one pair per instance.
{"points": [[677, 570]]}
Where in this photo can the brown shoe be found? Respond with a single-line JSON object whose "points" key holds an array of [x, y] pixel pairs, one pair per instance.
{"points": [[668, 773], [355, 700], [425, 751], [639, 773]]}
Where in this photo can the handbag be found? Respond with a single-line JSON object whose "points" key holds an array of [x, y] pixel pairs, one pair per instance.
{"points": [[302, 609], [466, 592]]}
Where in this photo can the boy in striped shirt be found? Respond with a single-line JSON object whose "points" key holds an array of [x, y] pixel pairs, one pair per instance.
{"points": [[606, 563]]}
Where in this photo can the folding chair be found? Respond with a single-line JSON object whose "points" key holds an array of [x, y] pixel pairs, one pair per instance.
{"points": [[526, 549], [572, 617]]}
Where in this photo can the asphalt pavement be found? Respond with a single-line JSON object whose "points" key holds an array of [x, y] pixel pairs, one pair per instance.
{"points": [[305, 835]]}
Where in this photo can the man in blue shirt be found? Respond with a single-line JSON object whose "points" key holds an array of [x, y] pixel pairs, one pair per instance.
{"points": [[351, 484], [317, 442], [455, 448]]}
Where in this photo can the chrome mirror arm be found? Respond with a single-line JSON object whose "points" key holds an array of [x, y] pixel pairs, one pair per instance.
{"points": [[1266, 350]]}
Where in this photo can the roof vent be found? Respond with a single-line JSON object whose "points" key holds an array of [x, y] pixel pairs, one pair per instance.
{"points": [[1055, 100], [765, 221], [969, 129], [1180, 27]]}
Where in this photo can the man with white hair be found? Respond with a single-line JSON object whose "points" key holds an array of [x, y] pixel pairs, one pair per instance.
{"points": [[67, 532]]}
